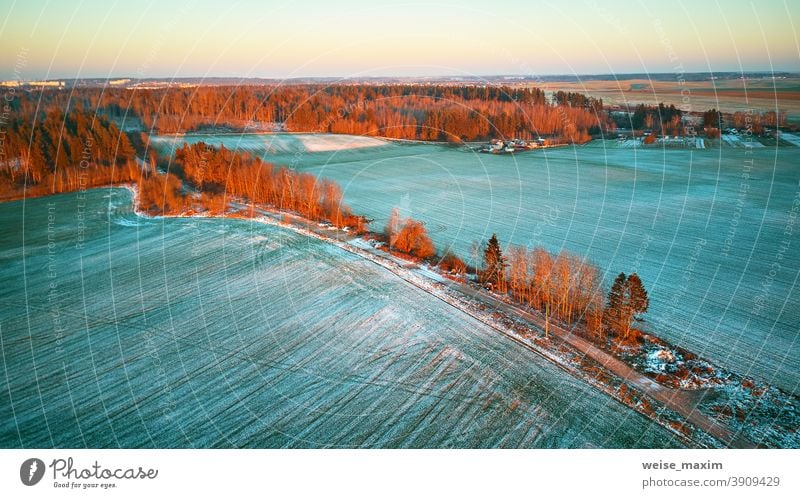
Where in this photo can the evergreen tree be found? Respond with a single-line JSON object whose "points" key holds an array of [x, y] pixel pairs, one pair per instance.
{"points": [[638, 296], [627, 300], [616, 301], [494, 265]]}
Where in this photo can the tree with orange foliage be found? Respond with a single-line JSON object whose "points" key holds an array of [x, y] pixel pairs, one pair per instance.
{"points": [[413, 239], [518, 273]]}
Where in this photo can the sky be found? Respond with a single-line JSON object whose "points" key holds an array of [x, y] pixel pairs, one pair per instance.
{"points": [[350, 38]]}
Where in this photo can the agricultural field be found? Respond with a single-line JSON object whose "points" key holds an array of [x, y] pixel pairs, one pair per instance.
{"points": [[272, 143], [710, 231], [792, 138], [126, 331], [726, 95]]}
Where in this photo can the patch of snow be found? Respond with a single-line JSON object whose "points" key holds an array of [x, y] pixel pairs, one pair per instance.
{"points": [[659, 360], [426, 271], [792, 139], [326, 143]]}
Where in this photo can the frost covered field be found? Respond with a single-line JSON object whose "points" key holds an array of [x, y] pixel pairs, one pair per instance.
{"points": [[712, 232], [274, 143], [200, 332]]}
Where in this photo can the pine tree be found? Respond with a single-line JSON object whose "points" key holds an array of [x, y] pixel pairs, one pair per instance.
{"points": [[494, 265], [616, 301], [638, 297], [627, 299]]}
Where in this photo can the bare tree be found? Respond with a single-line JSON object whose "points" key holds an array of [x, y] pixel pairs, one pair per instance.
{"points": [[543, 283], [392, 227], [518, 273]]}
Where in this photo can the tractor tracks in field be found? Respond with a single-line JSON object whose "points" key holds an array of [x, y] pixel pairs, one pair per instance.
{"points": [[461, 296], [464, 297]]}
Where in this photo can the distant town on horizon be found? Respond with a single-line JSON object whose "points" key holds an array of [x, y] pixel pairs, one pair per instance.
{"points": [[122, 80]]}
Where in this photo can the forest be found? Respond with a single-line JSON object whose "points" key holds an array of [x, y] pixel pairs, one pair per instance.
{"points": [[78, 150], [62, 153], [667, 120], [50, 144], [408, 111], [217, 176]]}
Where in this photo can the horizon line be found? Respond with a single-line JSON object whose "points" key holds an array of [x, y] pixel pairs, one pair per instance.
{"points": [[428, 76]]}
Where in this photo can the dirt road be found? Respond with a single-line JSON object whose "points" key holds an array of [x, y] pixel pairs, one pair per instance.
{"points": [[681, 401]]}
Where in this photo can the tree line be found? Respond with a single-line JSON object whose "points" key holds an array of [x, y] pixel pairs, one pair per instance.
{"points": [[575, 99], [78, 150], [564, 287], [757, 121], [407, 111], [662, 119], [60, 152], [217, 174], [667, 120]]}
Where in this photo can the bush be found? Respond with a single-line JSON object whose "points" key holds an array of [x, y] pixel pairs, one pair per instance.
{"points": [[413, 239], [452, 263]]}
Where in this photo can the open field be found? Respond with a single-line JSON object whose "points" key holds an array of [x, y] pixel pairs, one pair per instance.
{"points": [[729, 95], [792, 138], [719, 259], [230, 333], [276, 143]]}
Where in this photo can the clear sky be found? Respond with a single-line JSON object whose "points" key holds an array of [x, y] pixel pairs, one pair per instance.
{"points": [[244, 38]]}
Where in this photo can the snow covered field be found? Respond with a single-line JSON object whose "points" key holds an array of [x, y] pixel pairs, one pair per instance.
{"points": [[739, 141], [712, 232], [324, 143], [274, 143], [192, 332], [792, 139]]}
